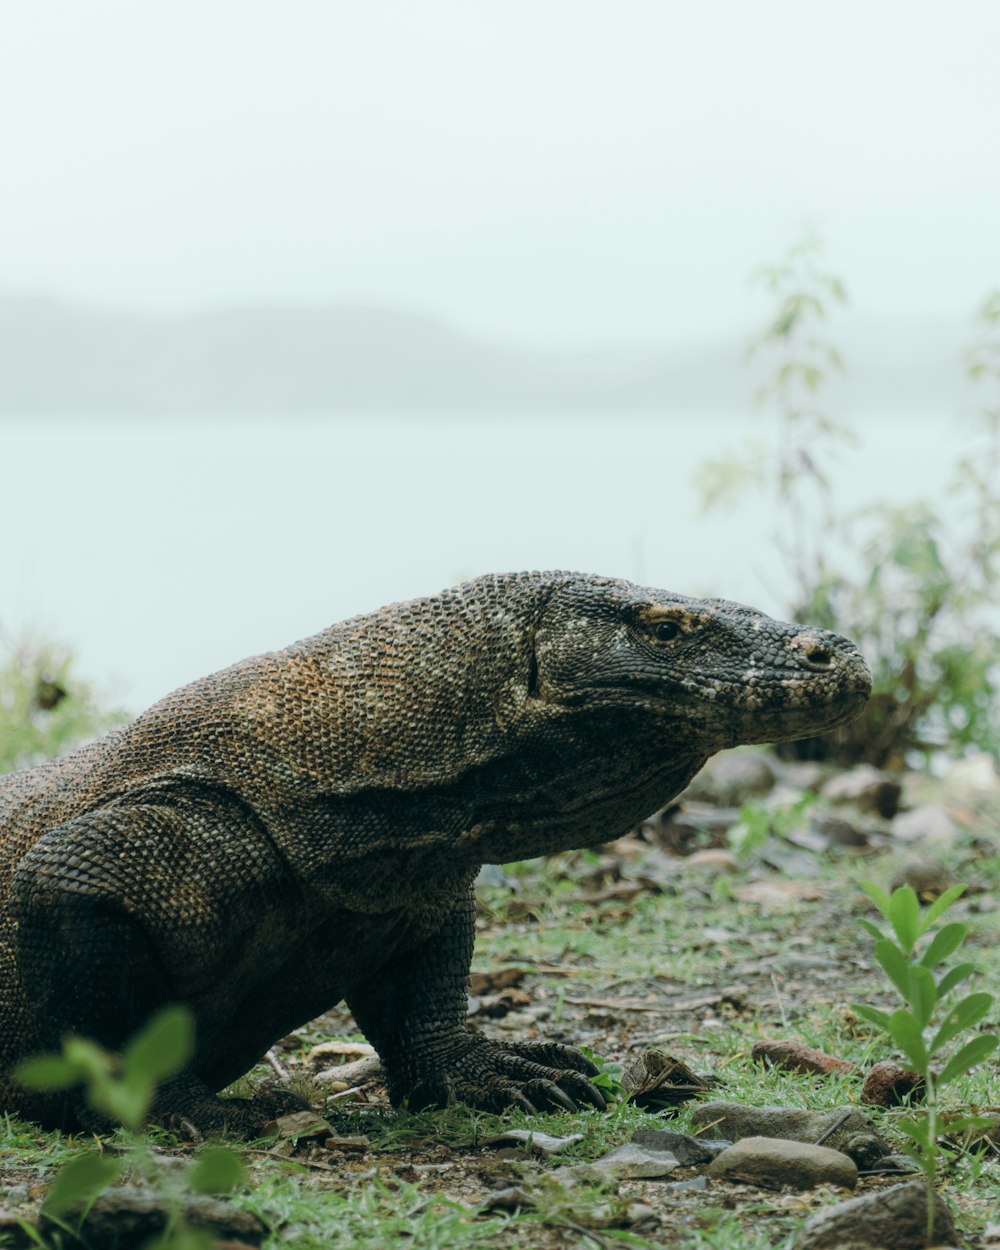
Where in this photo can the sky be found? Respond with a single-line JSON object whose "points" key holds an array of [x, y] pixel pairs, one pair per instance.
{"points": [[544, 171], [552, 173]]}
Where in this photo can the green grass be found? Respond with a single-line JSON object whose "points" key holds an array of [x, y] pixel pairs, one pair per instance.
{"points": [[423, 1180]]}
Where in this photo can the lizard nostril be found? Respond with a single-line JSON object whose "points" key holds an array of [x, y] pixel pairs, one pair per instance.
{"points": [[819, 657]]}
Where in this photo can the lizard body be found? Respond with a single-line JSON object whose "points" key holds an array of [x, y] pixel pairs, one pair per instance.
{"points": [[305, 826]]}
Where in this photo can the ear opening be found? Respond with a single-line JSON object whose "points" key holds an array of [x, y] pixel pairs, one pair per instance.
{"points": [[533, 676]]}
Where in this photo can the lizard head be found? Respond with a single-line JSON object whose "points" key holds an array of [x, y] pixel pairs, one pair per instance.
{"points": [[721, 673]]}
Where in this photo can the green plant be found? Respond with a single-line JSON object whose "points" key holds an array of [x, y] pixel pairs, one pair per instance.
{"points": [[794, 471], [608, 1077], [916, 961], [758, 823], [45, 708], [917, 591], [123, 1088]]}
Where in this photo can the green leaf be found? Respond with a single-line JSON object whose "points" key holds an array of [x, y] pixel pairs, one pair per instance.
{"points": [[79, 1181], [905, 1032], [917, 1131], [47, 1072], [954, 976], [879, 1018], [895, 964], [963, 1123], [218, 1171], [878, 896], [971, 1053], [93, 1063], [874, 930], [923, 994], [963, 1015], [944, 943], [160, 1049], [121, 1102], [904, 916], [941, 904]]}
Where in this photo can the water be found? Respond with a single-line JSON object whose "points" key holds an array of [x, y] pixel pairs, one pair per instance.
{"points": [[163, 552]]}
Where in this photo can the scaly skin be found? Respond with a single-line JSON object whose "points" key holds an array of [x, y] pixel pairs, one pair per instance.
{"points": [[305, 826]]}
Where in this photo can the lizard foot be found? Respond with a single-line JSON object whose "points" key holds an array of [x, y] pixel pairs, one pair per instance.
{"points": [[495, 1075], [197, 1112]]}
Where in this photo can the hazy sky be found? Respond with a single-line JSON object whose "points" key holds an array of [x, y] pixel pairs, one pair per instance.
{"points": [[545, 170]]}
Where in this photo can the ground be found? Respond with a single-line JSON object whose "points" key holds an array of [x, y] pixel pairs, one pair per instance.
{"points": [[625, 950]]}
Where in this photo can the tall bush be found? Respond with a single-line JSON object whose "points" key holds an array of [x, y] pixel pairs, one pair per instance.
{"points": [[921, 592]]}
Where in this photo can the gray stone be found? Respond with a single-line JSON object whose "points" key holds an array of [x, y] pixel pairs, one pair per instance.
{"points": [[804, 774], [866, 788], [533, 1140], [928, 823], [834, 1128], [732, 778], [974, 777], [891, 1219], [693, 1184], [837, 832], [712, 860], [126, 1216], [628, 1162], [777, 1163], [688, 1151], [928, 877]]}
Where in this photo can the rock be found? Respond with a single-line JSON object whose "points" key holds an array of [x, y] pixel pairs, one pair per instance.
{"points": [[775, 1162], [776, 895], [804, 774], [867, 788], [513, 1198], [985, 1137], [929, 822], [793, 1056], [628, 1162], [974, 777], [928, 877], [891, 1219], [125, 1216], [887, 1085], [641, 1218], [688, 1151], [693, 1184], [345, 1075], [895, 1165], [834, 1128], [713, 860], [299, 1126], [866, 1150], [13, 1232], [837, 832], [533, 1140], [347, 1145], [732, 778], [326, 1052]]}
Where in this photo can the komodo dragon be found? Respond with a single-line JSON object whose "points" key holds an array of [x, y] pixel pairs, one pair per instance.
{"points": [[306, 826]]}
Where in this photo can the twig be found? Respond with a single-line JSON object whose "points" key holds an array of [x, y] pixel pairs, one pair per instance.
{"points": [[276, 1064]]}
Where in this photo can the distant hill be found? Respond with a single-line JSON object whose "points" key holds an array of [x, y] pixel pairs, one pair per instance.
{"points": [[58, 359]]}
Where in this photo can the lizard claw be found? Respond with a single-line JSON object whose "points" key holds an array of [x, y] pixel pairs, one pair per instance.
{"points": [[494, 1075], [550, 1096]]}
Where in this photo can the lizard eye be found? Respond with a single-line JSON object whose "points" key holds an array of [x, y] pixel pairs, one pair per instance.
{"points": [[666, 630]]}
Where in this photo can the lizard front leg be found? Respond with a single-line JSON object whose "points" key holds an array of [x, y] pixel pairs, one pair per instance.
{"points": [[413, 1011], [93, 900]]}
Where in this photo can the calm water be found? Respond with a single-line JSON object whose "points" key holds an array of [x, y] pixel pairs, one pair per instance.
{"points": [[161, 553]]}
